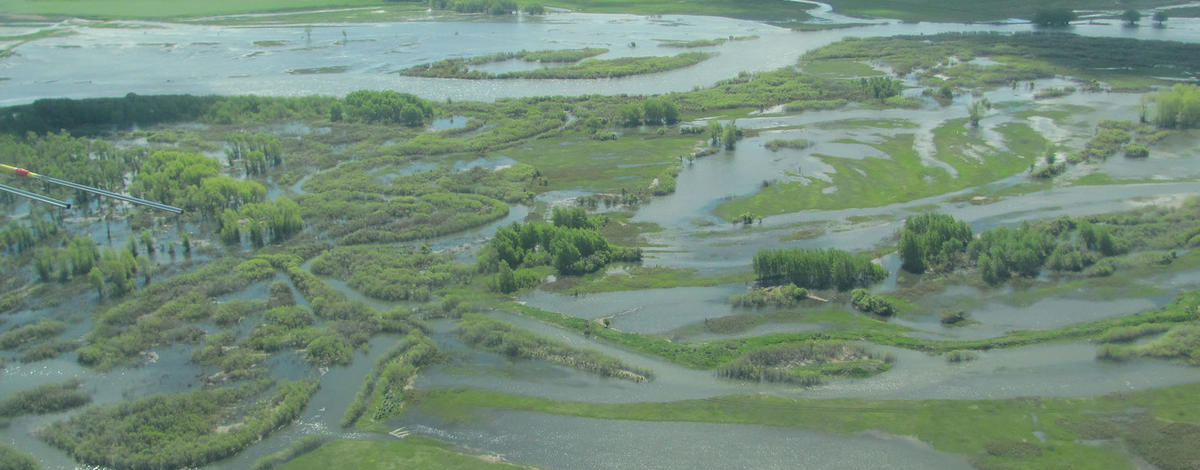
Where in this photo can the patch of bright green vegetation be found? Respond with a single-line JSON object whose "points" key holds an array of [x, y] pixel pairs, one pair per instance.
{"points": [[874, 182], [588, 69], [839, 68], [320, 70], [499, 337], [992, 433], [953, 11], [572, 162], [175, 431], [300, 447], [702, 42], [645, 277], [412, 452]]}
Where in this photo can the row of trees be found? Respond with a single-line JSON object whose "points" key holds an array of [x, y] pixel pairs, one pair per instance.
{"points": [[255, 151], [652, 111], [816, 268], [938, 242], [386, 107]]}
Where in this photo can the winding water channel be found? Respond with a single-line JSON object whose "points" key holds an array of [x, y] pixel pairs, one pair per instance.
{"points": [[156, 58]]}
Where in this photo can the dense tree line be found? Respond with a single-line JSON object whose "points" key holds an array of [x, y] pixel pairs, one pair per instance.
{"points": [[491, 7], [932, 241], [387, 107], [816, 268], [1062, 244], [1053, 16], [652, 111], [176, 431]]}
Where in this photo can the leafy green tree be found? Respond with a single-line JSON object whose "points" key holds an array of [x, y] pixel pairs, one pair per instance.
{"points": [[1053, 17], [96, 279], [631, 115], [1160, 16], [1131, 17]]}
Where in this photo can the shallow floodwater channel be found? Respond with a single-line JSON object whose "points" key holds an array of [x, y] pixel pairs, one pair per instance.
{"points": [[585, 443]]}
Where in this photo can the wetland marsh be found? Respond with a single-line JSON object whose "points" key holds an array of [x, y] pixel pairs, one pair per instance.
{"points": [[473, 271]]}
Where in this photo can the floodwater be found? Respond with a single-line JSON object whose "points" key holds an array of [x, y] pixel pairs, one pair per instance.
{"points": [[169, 58], [160, 58]]}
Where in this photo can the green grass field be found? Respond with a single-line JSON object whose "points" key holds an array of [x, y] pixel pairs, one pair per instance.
{"points": [[874, 182], [630, 162], [413, 452]]}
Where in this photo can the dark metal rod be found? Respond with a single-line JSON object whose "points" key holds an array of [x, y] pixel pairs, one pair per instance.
{"points": [[35, 196], [111, 194]]}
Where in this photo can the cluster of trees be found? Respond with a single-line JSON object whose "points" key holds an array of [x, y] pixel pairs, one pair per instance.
{"points": [[1053, 16], [779, 296], [256, 151], [726, 135], [485, 333], [75, 259], [491, 7], [265, 222], [1178, 108], [176, 431], [933, 241], [387, 107], [936, 242], [652, 111], [193, 181], [880, 88], [92, 162], [816, 268], [571, 250], [865, 302]]}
